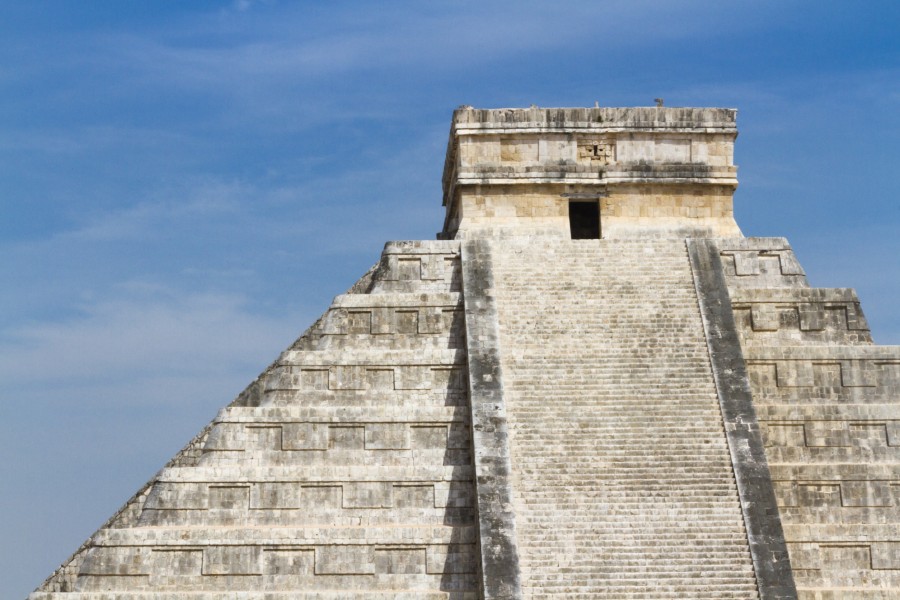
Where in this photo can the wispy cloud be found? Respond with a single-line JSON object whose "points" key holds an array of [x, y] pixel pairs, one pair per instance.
{"points": [[118, 346]]}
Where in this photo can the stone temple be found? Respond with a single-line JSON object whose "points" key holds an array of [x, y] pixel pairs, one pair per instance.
{"points": [[590, 386]]}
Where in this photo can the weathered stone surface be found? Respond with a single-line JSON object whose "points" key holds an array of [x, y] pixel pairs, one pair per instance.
{"points": [[512, 413]]}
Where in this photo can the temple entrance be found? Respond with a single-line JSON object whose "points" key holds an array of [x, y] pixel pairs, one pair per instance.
{"points": [[584, 220]]}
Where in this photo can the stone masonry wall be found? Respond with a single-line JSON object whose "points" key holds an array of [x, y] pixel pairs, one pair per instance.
{"points": [[828, 407]]}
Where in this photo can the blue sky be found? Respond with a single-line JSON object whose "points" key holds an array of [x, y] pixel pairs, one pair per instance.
{"points": [[185, 186]]}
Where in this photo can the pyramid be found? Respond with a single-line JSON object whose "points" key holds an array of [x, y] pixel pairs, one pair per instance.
{"points": [[591, 385]]}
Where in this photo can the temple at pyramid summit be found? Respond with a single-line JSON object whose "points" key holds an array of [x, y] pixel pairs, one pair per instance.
{"points": [[591, 385]]}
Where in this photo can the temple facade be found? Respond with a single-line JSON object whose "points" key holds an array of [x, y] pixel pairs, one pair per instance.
{"points": [[591, 385]]}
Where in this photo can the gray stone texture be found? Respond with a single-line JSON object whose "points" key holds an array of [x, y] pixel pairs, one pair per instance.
{"points": [[668, 412]]}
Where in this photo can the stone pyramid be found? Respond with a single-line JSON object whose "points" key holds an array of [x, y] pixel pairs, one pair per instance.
{"points": [[591, 386]]}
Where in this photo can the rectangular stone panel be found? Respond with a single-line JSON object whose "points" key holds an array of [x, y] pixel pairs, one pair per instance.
{"points": [[387, 436], [382, 321], [867, 493], [232, 560], [406, 322], [227, 436], [314, 379], [263, 437], [287, 562], [812, 316], [169, 566], [794, 373], [452, 558], [229, 497], [346, 438], [380, 378], [275, 495], [448, 379], [348, 377], [177, 496], [783, 434], [400, 560], [359, 322], [827, 433], [304, 436], [368, 494], [413, 377], [456, 494], [422, 437], [409, 268], [885, 555], [345, 560], [814, 494], [764, 317], [117, 560], [431, 320], [846, 556], [858, 373], [413, 496]]}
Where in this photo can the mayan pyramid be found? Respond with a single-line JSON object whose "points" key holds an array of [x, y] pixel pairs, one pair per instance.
{"points": [[590, 386]]}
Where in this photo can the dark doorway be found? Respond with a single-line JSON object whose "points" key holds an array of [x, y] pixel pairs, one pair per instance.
{"points": [[584, 220]]}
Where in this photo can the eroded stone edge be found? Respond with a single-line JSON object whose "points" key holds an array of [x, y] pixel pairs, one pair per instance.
{"points": [[754, 482], [499, 557]]}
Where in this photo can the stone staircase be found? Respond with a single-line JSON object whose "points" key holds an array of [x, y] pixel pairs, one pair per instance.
{"points": [[826, 399], [343, 471], [622, 480]]}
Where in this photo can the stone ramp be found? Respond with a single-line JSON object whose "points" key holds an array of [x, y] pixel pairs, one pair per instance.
{"points": [[622, 480], [343, 471]]}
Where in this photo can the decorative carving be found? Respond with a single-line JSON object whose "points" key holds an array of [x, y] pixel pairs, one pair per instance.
{"points": [[600, 152]]}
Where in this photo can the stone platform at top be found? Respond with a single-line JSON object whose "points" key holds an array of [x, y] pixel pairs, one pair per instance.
{"points": [[651, 171]]}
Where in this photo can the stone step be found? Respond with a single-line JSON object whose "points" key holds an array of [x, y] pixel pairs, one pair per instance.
{"points": [[347, 473], [284, 536]]}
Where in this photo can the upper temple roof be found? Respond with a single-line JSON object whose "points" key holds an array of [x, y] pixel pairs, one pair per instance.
{"points": [[600, 119]]}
